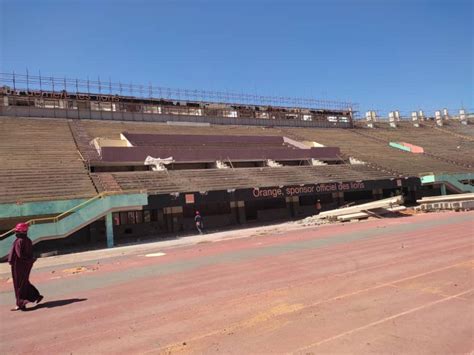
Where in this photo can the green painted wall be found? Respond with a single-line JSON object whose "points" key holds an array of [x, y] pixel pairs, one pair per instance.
{"points": [[450, 179], [10, 210], [83, 216]]}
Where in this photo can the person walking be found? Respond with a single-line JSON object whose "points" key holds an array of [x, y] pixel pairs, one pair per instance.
{"points": [[198, 222], [21, 260]]}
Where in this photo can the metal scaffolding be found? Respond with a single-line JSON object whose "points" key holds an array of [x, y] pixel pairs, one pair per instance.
{"points": [[29, 82]]}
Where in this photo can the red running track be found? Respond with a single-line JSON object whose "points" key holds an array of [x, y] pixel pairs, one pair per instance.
{"points": [[386, 286]]}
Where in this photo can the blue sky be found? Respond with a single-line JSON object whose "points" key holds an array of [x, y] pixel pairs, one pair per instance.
{"points": [[385, 55]]}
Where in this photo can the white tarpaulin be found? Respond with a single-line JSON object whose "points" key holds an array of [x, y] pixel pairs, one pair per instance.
{"points": [[158, 163]]}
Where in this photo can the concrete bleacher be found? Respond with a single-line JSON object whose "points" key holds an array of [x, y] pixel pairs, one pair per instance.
{"points": [[184, 154], [47, 159], [215, 144], [362, 144], [365, 145], [41, 158], [39, 161], [438, 142], [218, 179], [204, 141], [462, 130], [455, 126], [112, 130]]}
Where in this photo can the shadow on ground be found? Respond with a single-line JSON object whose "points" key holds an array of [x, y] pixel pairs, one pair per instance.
{"points": [[56, 303]]}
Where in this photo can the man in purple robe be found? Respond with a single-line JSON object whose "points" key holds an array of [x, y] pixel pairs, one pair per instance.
{"points": [[21, 260]]}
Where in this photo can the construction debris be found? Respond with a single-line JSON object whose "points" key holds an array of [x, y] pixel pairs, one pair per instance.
{"points": [[375, 209], [158, 164], [221, 164], [378, 213], [272, 163], [313, 221], [379, 204]]}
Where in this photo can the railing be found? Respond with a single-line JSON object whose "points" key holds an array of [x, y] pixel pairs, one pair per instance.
{"points": [[59, 217], [43, 83]]}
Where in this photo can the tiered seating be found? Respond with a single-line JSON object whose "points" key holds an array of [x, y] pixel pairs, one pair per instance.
{"points": [[109, 129], [218, 179], [83, 141], [204, 141], [375, 151], [369, 149], [463, 130], [454, 126], [197, 154], [39, 161], [216, 144], [441, 143]]}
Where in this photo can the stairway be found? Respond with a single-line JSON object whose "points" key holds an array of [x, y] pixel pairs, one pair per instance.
{"points": [[453, 182], [83, 140], [76, 218], [107, 182]]}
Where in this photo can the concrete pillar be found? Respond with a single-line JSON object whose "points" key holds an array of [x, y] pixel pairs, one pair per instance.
{"points": [[168, 217], [438, 118], [397, 116], [415, 118], [296, 205], [109, 230], [242, 218], [176, 218], [411, 194], [234, 211], [292, 204], [377, 194], [421, 115], [446, 114], [289, 206], [443, 189], [392, 119], [338, 197], [370, 116], [462, 116]]}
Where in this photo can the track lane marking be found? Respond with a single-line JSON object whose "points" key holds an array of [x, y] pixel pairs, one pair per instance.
{"points": [[177, 346], [383, 320], [317, 303], [423, 290]]}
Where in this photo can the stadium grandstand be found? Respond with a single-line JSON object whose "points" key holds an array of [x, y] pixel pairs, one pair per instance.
{"points": [[94, 164]]}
